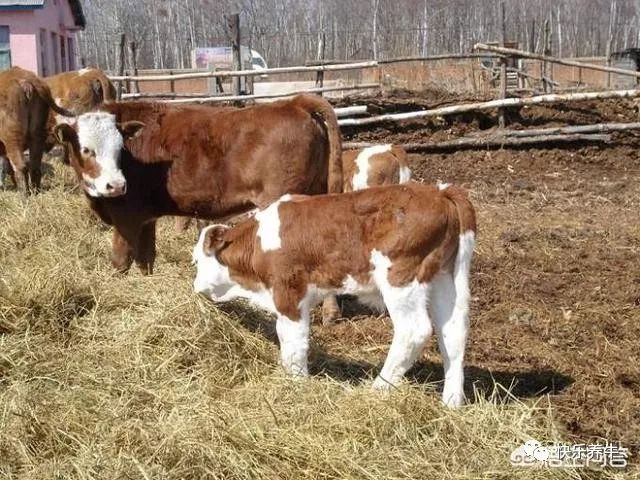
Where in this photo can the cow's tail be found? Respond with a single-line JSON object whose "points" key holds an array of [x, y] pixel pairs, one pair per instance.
{"points": [[466, 242], [318, 106], [42, 90], [403, 163]]}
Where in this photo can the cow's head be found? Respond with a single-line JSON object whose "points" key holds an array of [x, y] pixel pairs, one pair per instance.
{"points": [[94, 148], [212, 277]]}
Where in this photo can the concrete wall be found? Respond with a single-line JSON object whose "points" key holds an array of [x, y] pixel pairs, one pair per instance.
{"points": [[25, 28]]}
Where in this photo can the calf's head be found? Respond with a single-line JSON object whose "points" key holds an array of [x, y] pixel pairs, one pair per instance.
{"points": [[212, 277], [94, 148]]}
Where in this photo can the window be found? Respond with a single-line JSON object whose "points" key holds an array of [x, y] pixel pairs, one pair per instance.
{"points": [[63, 53], [44, 63], [54, 53], [5, 49]]}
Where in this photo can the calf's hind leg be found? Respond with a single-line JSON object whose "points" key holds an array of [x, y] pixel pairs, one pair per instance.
{"points": [[451, 318], [409, 314]]}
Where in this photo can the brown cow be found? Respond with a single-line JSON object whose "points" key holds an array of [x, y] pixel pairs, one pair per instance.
{"points": [[406, 247], [81, 91], [375, 166], [25, 101], [199, 162]]}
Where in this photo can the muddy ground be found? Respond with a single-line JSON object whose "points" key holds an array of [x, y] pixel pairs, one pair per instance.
{"points": [[556, 279]]}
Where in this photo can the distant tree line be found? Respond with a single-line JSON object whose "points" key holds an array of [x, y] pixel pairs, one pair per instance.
{"points": [[290, 32]]}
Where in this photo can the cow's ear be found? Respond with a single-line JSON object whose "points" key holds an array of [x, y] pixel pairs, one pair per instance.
{"points": [[215, 239], [64, 133], [130, 129]]}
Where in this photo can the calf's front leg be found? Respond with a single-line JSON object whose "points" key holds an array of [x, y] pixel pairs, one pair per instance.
{"points": [[294, 344]]}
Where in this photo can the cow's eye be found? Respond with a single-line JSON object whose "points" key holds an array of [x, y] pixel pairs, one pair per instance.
{"points": [[85, 151]]}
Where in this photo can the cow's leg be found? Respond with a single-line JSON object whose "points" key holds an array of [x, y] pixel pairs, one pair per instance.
{"points": [[294, 344], [182, 224], [121, 252], [145, 253], [3, 161], [19, 166], [330, 309], [36, 149], [411, 328], [451, 318]]}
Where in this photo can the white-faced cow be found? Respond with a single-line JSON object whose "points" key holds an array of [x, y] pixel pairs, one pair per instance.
{"points": [[407, 247], [198, 162]]}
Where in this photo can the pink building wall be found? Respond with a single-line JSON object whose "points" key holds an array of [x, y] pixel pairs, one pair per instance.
{"points": [[25, 28]]}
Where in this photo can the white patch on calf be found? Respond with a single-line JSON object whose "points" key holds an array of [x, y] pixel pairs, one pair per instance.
{"points": [[443, 186], [360, 180], [405, 174], [269, 225], [98, 131], [408, 309], [83, 71]]}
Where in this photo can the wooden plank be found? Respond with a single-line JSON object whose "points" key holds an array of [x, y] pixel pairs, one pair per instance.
{"points": [[498, 141], [560, 61], [229, 73], [508, 102], [232, 98]]}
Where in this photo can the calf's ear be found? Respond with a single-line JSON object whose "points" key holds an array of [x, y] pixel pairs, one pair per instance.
{"points": [[64, 133], [130, 129], [215, 240]]}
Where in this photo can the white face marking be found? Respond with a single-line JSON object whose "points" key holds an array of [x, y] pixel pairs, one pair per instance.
{"points": [[214, 281], [361, 178], [443, 186], [405, 174], [82, 71], [269, 225], [98, 132]]}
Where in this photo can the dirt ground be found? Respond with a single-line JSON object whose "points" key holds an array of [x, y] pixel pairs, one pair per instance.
{"points": [[556, 279]]}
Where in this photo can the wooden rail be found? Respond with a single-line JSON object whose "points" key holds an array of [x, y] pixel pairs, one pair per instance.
{"points": [[508, 102], [244, 73], [571, 63], [234, 98]]}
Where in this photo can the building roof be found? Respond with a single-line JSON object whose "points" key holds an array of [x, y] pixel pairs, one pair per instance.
{"points": [[75, 5]]}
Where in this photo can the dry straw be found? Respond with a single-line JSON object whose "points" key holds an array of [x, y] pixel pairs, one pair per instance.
{"points": [[106, 377]]}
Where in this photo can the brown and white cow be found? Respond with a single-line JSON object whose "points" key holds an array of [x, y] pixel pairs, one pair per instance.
{"points": [[363, 168], [81, 91], [25, 101], [374, 166], [407, 247], [199, 162]]}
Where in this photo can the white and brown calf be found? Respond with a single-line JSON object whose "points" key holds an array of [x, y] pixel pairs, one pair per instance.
{"points": [[374, 166], [406, 247]]}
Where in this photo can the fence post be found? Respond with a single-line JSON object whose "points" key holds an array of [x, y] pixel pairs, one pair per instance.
{"points": [[134, 65], [503, 69], [172, 83], [546, 52], [233, 27], [121, 66], [320, 73]]}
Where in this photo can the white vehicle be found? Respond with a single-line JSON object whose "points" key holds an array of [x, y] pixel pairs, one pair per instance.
{"points": [[221, 58]]}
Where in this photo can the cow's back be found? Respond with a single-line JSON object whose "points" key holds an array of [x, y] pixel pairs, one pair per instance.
{"points": [[228, 158]]}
